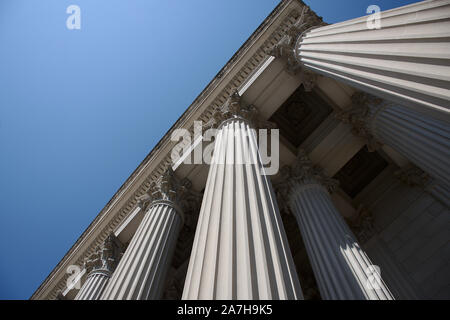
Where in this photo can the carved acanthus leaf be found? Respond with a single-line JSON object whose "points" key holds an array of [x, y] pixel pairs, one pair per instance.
{"points": [[359, 116], [168, 187], [235, 108], [303, 172], [105, 257], [285, 49]]}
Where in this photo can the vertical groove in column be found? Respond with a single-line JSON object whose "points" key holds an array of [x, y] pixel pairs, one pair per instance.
{"points": [[328, 246], [140, 274], [393, 61], [425, 141], [92, 290], [339, 264], [240, 249]]}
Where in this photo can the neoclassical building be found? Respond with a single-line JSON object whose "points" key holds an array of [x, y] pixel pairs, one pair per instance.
{"points": [[358, 207]]}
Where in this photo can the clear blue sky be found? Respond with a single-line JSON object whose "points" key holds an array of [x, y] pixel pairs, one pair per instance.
{"points": [[80, 109]]}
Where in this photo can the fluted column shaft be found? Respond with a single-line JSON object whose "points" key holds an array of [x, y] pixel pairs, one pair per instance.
{"points": [[141, 272], [402, 55], [341, 267], [240, 249], [422, 140], [93, 288], [99, 267]]}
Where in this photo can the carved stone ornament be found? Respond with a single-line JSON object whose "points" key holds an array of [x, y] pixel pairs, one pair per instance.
{"points": [[413, 176], [170, 189], [303, 172], [360, 116], [286, 48], [234, 108], [106, 257]]}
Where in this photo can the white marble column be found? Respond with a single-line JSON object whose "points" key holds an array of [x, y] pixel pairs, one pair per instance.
{"points": [[141, 272], [94, 286], [99, 267], [342, 269], [401, 55], [240, 249], [422, 140]]}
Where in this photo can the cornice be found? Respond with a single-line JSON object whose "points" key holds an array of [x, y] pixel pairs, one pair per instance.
{"points": [[233, 75]]}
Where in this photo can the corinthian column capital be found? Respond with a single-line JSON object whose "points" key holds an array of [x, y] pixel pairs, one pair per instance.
{"points": [[170, 190], [302, 174], [234, 108], [285, 49], [361, 115], [105, 258], [99, 266], [306, 173]]}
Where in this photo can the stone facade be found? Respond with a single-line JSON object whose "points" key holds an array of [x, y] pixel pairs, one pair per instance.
{"points": [[359, 208]]}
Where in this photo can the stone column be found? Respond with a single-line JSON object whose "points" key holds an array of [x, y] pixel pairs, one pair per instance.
{"points": [[99, 267], [341, 268], [240, 249], [422, 140], [141, 272], [401, 55]]}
